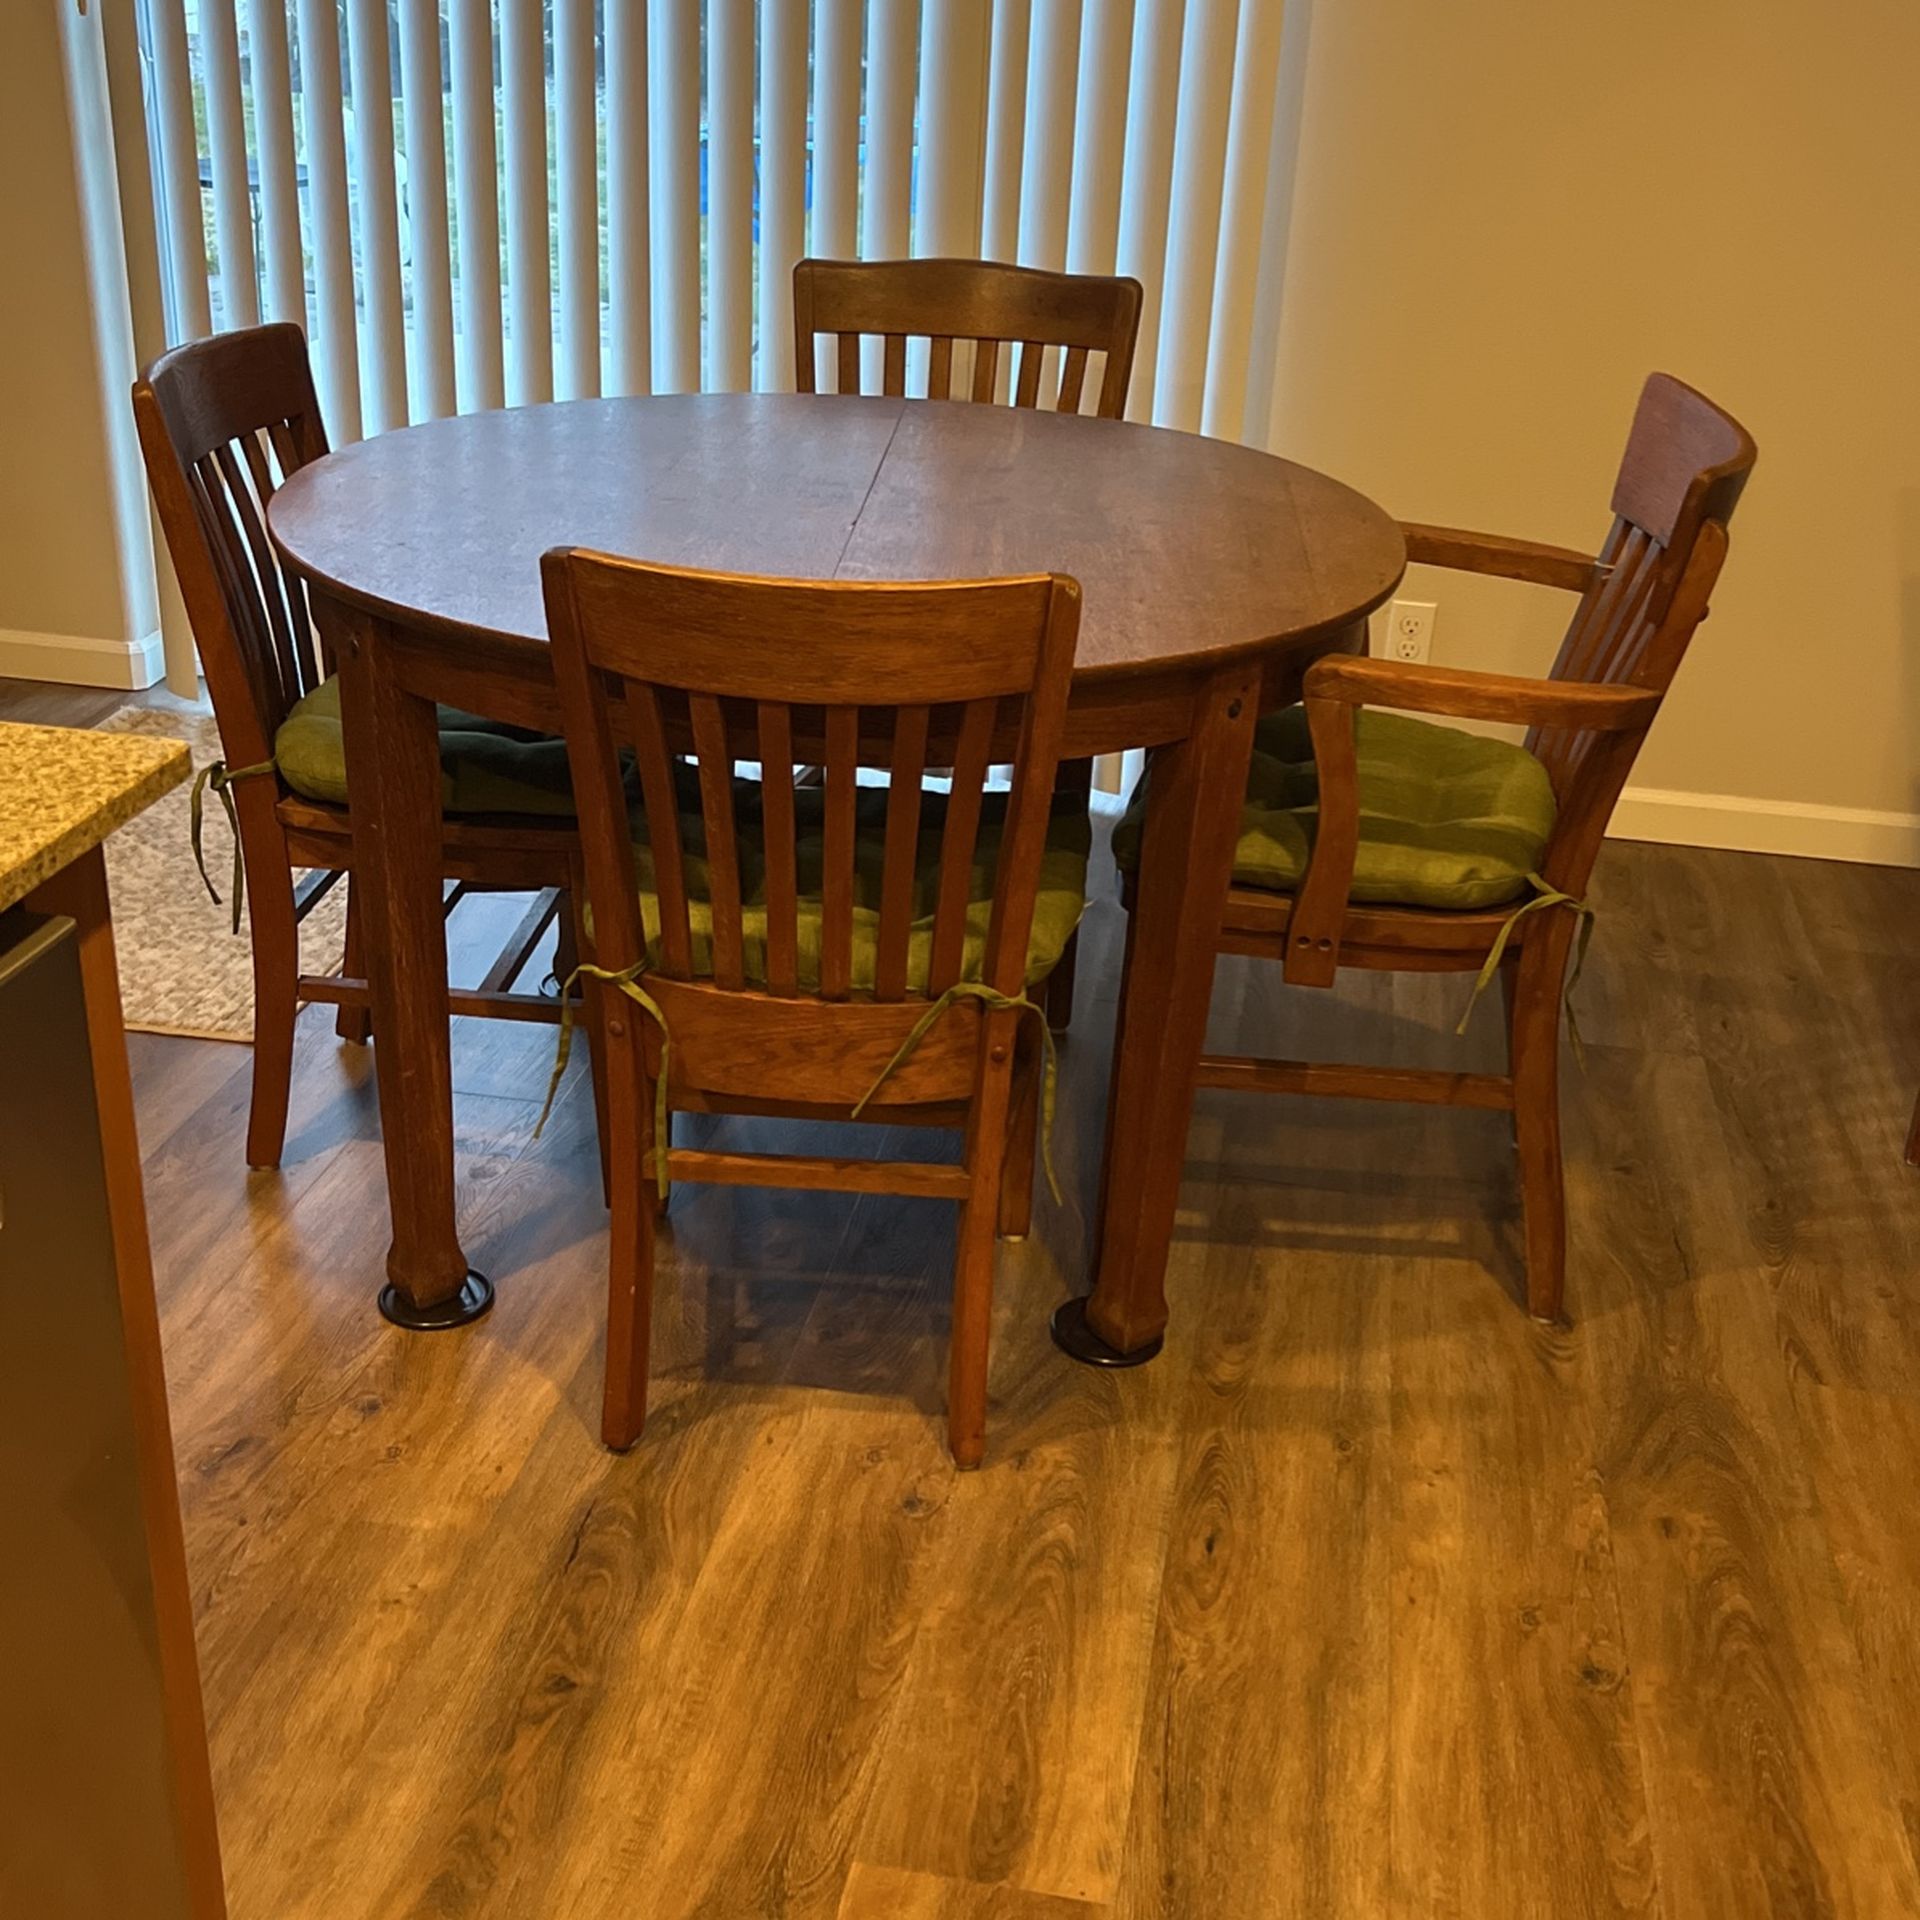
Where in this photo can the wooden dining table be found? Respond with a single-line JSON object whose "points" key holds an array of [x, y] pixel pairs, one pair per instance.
{"points": [[1212, 575]]}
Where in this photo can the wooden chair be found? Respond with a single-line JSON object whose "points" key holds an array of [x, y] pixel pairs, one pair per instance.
{"points": [[222, 422], [987, 305], [1639, 602], [983, 302], [787, 944]]}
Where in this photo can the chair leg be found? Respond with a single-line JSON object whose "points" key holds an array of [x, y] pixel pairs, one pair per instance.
{"points": [[568, 950], [570, 934], [1535, 1036], [597, 1069], [276, 1003], [630, 1253], [353, 1023], [972, 1327], [1509, 988], [974, 1253], [1059, 990], [1075, 777], [1023, 1137]]}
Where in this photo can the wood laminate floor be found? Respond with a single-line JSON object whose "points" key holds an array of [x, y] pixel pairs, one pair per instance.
{"points": [[1369, 1598]]}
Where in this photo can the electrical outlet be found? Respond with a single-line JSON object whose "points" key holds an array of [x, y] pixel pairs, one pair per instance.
{"points": [[1410, 629]]}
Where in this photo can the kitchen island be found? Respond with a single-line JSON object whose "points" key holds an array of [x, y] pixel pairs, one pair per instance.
{"points": [[106, 1804]]}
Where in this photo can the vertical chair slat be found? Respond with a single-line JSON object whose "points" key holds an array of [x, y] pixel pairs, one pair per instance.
{"points": [[1073, 374], [849, 360], [257, 466], [783, 907], [1616, 646], [893, 371], [1617, 593], [239, 588], [208, 515], [902, 852], [1556, 746], [240, 497], [986, 360], [300, 628], [1113, 385], [240, 500], [974, 303], [662, 803], [316, 660], [1026, 392], [212, 499], [286, 448], [1623, 556], [1640, 557], [254, 658], [266, 572], [1628, 658], [1580, 628], [836, 877], [804, 358], [1036, 772], [723, 846], [957, 841], [940, 368], [289, 456]]}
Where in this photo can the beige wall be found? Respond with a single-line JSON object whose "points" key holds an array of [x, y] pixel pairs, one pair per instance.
{"points": [[61, 575], [1506, 212]]}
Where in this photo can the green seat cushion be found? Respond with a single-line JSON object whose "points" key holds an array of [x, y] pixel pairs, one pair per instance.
{"points": [[486, 766], [1447, 818], [1057, 910]]}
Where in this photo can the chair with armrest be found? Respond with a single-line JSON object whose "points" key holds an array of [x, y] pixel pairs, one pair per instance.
{"points": [[1371, 839], [223, 422], [983, 305], [834, 952]]}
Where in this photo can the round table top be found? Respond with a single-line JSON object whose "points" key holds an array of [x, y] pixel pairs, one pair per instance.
{"points": [[1186, 549]]}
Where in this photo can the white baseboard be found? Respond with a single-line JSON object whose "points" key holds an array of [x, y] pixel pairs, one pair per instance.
{"points": [[79, 660], [1803, 827]]}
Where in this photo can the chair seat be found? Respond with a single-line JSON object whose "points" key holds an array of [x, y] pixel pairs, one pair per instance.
{"points": [[1056, 913], [1448, 819], [486, 766]]}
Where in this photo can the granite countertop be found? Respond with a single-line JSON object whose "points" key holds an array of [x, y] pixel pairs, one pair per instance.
{"points": [[64, 789]]}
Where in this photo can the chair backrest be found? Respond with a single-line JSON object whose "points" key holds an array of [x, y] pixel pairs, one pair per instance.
{"points": [[223, 421], [982, 301], [667, 662], [1686, 464]]}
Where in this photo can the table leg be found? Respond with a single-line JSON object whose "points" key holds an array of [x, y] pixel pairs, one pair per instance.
{"points": [[1186, 862], [393, 768]]}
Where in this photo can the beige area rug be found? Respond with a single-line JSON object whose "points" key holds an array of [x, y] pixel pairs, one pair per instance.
{"points": [[182, 968]]}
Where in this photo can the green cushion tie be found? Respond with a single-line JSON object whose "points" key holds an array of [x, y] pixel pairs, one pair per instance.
{"points": [[627, 980], [999, 1003], [1543, 896], [216, 775]]}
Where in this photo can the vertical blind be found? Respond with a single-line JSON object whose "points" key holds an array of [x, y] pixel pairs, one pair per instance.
{"points": [[470, 203]]}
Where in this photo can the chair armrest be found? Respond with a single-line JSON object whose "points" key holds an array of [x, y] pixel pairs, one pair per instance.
{"points": [[1336, 687], [1411, 688], [1507, 559]]}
